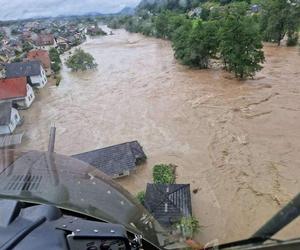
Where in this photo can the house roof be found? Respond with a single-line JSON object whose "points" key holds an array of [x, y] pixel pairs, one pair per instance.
{"points": [[41, 55], [114, 160], [13, 88], [168, 203], [5, 113], [19, 69], [44, 39]]}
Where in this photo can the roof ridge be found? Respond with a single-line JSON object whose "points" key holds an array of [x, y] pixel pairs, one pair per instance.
{"points": [[166, 195], [107, 147]]}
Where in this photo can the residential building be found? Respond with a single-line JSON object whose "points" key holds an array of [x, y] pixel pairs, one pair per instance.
{"points": [[18, 91], [9, 118], [44, 40], [168, 203], [33, 70], [116, 161], [43, 57]]}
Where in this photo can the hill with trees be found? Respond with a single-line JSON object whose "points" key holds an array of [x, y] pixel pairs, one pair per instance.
{"points": [[231, 31]]}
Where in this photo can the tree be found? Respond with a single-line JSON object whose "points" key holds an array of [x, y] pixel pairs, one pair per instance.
{"points": [[161, 25], [278, 18], [55, 60], [163, 174], [55, 67], [141, 197], [81, 60], [27, 46], [54, 55], [189, 226], [241, 44], [196, 42], [167, 22]]}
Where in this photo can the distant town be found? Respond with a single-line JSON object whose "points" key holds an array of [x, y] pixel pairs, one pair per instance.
{"points": [[29, 56]]}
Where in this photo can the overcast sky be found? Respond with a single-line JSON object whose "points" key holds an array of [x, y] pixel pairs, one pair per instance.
{"points": [[20, 9]]}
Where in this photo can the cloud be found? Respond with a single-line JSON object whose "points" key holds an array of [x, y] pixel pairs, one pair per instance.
{"points": [[20, 9]]}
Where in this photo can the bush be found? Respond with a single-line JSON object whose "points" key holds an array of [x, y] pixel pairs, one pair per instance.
{"points": [[58, 79], [27, 46], [54, 55], [292, 39], [163, 174], [141, 197], [81, 60], [55, 67], [189, 226]]}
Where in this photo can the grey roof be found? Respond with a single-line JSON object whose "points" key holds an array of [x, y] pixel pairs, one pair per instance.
{"points": [[5, 113], [168, 203], [115, 160], [30, 68]]}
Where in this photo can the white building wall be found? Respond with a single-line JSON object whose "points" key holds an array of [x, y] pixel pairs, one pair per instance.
{"points": [[39, 81], [14, 121], [4, 130], [28, 100]]}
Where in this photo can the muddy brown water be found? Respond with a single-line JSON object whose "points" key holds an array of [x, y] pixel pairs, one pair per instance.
{"points": [[236, 143]]}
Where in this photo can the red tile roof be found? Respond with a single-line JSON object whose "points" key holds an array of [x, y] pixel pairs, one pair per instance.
{"points": [[41, 55], [13, 88]]}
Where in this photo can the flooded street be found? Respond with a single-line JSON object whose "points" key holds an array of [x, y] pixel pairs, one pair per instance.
{"points": [[236, 143]]}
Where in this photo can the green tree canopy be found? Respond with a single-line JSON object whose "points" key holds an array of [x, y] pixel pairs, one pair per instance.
{"points": [[241, 44], [54, 55], [163, 174], [27, 46], [196, 42], [278, 18], [81, 60], [55, 60]]}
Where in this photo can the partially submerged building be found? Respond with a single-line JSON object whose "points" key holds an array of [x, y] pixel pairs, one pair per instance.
{"points": [[17, 91], [32, 70], [9, 118], [168, 203], [116, 161]]}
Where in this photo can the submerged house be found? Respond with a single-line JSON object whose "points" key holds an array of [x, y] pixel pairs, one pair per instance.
{"points": [[18, 91], [168, 203], [32, 70], [9, 118], [115, 161]]}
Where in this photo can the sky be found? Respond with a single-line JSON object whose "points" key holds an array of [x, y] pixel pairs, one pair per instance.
{"points": [[22, 9]]}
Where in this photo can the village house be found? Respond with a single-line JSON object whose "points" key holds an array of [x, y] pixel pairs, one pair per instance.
{"points": [[9, 118], [33, 70], [44, 40], [115, 161], [43, 57], [62, 44], [6, 53], [18, 91], [168, 203]]}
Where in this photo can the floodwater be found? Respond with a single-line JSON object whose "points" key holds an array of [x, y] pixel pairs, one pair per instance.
{"points": [[236, 143]]}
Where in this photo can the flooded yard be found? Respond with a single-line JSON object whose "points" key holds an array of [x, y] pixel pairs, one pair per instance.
{"points": [[236, 143]]}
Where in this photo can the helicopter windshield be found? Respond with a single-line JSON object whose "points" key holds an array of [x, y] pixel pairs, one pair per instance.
{"points": [[46, 178]]}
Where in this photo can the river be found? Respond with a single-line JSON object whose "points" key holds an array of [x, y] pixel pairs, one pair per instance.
{"points": [[237, 143]]}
